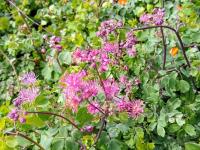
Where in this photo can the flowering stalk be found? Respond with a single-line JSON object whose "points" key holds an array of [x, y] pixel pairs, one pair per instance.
{"points": [[57, 115]]}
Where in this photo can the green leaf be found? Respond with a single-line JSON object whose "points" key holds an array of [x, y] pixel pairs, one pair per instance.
{"points": [[83, 116], [58, 144], [123, 116], [65, 57], [45, 141], [179, 120], [192, 146], [2, 123], [34, 121], [71, 145], [47, 72], [41, 99], [23, 142], [4, 23], [160, 131], [189, 129], [11, 141], [184, 86], [114, 145]]}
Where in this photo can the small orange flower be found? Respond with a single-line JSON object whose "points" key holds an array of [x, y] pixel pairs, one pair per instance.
{"points": [[174, 51], [122, 2]]}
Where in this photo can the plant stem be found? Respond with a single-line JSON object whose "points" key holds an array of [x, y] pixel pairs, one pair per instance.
{"points": [[99, 109], [11, 64], [53, 114], [22, 13], [103, 121], [164, 47], [26, 137]]}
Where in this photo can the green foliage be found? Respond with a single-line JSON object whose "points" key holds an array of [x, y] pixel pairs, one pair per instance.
{"points": [[172, 104]]}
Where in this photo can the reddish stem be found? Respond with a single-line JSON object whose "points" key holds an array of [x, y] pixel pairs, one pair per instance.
{"points": [[26, 137], [53, 114]]}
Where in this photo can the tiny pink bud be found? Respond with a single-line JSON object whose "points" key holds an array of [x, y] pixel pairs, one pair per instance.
{"points": [[43, 50]]}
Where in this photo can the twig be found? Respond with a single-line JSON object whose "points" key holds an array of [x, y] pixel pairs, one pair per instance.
{"points": [[53, 114], [103, 121], [170, 28], [164, 47], [99, 109], [26, 137], [11, 64], [22, 13]]}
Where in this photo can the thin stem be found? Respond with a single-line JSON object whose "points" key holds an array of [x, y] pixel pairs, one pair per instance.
{"points": [[99, 109], [172, 29], [53, 114], [164, 47], [22, 13], [103, 121], [26, 137], [11, 64], [101, 81]]}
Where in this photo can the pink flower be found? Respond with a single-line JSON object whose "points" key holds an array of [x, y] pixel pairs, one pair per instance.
{"points": [[125, 68], [107, 27], [26, 95], [158, 16], [14, 114], [146, 18], [28, 78], [58, 47], [131, 52], [88, 128], [130, 40], [123, 105], [111, 88], [123, 79], [111, 47], [136, 108], [22, 120], [133, 108], [137, 81], [90, 90], [93, 108]]}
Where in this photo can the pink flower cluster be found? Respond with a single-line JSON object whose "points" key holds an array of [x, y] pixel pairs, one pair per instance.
{"points": [[111, 88], [88, 128], [108, 27], [16, 114], [54, 42], [28, 78], [76, 88], [134, 108], [94, 57], [157, 17], [93, 108], [25, 95], [129, 44]]}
